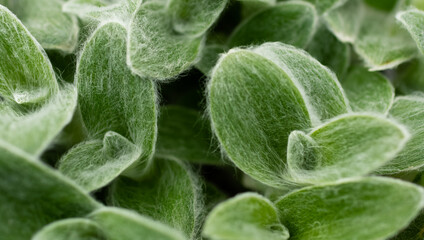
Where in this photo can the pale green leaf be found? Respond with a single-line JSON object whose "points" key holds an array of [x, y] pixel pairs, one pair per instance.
{"points": [[208, 57], [365, 208], [169, 194], [46, 21], [120, 224], [118, 110], [414, 231], [368, 91], [295, 21], [348, 146], [413, 20], [323, 6], [70, 229], [257, 97], [185, 134], [33, 129], [329, 51], [33, 195], [26, 75], [247, 216], [154, 49], [194, 17], [409, 111]]}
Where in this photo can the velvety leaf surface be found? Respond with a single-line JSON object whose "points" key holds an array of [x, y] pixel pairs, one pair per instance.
{"points": [[368, 91], [365, 208], [118, 110], [414, 231], [323, 6], [155, 50], [247, 216], [194, 17], [185, 134], [348, 146], [177, 205], [329, 51], [295, 21], [46, 21], [71, 229], [33, 195], [120, 224], [408, 110], [413, 20], [26, 75]]}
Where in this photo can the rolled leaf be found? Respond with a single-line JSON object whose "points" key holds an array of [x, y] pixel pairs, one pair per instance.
{"points": [[177, 205], [247, 216], [365, 208], [368, 91], [295, 21], [413, 21], [349, 146], [155, 50], [71, 229], [34, 195], [120, 224]]}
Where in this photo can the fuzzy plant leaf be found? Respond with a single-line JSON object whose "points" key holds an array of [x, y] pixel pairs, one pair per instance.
{"points": [[348, 146], [368, 91], [177, 205], [71, 229], [257, 97], [414, 231], [26, 75], [295, 21], [409, 111], [408, 76], [185, 134], [247, 216], [413, 21], [33, 195], [329, 51], [154, 49], [123, 133], [323, 6], [194, 17], [365, 208], [45, 20], [364, 27], [120, 224], [209, 56]]}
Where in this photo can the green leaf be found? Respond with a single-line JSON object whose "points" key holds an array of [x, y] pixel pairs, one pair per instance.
{"points": [[296, 22], [413, 21], [185, 134], [118, 110], [368, 91], [71, 229], [33, 129], [178, 204], [414, 231], [33, 195], [26, 75], [348, 146], [209, 56], [323, 6], [257, 97], [408, 76], [409, 111], [120, 224], [46, 21], [154, 49], [386, 5], [194, 17], [247, 216], [329, 51], [365, 208], [365, 27]]}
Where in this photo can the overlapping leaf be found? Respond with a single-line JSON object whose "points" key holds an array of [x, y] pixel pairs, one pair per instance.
{"points": [[33, 195], [118, 110], [71, 229], [367, 208], [178, 204], [257, 97], [295, 21], [46, 21], [245, 217], [413, 20], [368, 91], [348, 146], [323, 6]]}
